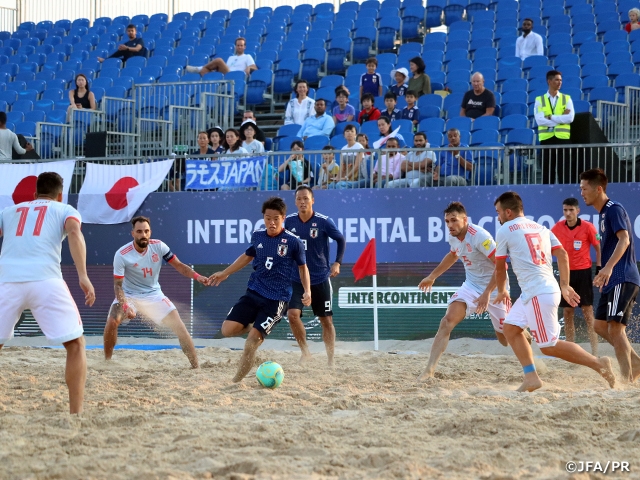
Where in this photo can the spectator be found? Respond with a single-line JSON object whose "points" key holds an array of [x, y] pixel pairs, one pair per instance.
{"points": [[249, 133], [178, 176], [371, 82], [203, 146], [350, 161], [554, 114], [417, 167], [337, 90], [366, 165], [634, 16], [81, 97], [248, 115], [400, 76], [391, 112], [329, 170], [299, 168], [384, 125], [388, 167], [368, 112], [240, 62], [134, 47], [9, 141], [234, 142], [31, 153], [299, 107], [530, 43], [420, 81], [478, 102], [343, 112], [319, 124], [217, 140], [453, 168], [411, 112]]}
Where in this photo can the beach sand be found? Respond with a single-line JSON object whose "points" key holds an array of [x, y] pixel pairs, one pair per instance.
{"points": [[147, 415]]}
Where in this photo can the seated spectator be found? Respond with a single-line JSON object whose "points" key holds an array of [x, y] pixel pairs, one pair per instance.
{"points": [[453, 168], [530, 43], [634, 16], [203, 146], [384, 125], [234, 142], [388, 167], [240, 62], [300, 107], [81, 97], [318, 124], [420, 81], [9, 141], [217, 140], [299, 168], [416, 169], [134, 47], [368, 112], [391, 112], [400, 76], [371, 82], [478, 102], [329, 170], [411, 112], [337, 90], [248, 133], [350, 160], [30, 154], [366, 165], [343, 112], [178, 176], [248, 115]]}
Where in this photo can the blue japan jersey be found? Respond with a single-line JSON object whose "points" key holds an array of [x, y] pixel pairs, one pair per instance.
{"points": [[613, 218], [273, 260], [315, 234]]}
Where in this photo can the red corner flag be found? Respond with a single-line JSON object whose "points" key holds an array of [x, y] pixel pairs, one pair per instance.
{"points": [[366, 264]]}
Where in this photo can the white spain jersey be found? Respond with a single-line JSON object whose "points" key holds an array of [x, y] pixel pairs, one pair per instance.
{"points": [[141, 270], [474, 252], [529, 245], [33, 233]]}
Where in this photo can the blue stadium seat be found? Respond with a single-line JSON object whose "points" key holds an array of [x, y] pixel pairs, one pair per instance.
{"points": [[608, 94]]}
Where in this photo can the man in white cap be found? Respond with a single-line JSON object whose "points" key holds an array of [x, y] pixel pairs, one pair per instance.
{"points": [[400, 76]]}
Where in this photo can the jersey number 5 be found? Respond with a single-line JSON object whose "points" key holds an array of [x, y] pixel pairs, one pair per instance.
{"points": [[24, 211], [534, 240]]}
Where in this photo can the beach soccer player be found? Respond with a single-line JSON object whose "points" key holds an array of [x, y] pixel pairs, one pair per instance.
{"points": [[31, 278], [136, 268], [529, 245], [475, 247], [315, 230], [274, 252]]}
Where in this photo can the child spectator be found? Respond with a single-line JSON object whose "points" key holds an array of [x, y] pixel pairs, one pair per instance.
{"points": [[389, 165], [299, 168], [248, 133], [366, 165], [329, 170], [350, 161], [400, 76], [371, 82], [343, 112], [411, 112], [368, 112], [392, 113], [217, 140]]}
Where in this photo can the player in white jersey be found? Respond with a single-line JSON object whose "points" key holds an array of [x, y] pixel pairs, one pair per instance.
{"points": [[136, 267], [530, 246], [475, 247], [31, 278]]}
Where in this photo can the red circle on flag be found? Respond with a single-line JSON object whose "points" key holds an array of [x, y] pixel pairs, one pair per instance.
{"points": [[117, 196], [25, 190]]}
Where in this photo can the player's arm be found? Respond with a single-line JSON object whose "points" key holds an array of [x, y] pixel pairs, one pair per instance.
{"points": [[602, 278], [500, 276], [337, 236], [122, 298], [219, 277], [78, 249], [187, 271], [598, 255], [305, 279], [446, 263], [483, 300], [568, 293]]}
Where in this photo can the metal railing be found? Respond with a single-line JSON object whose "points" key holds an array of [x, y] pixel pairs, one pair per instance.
{"points": [[8, 19]]}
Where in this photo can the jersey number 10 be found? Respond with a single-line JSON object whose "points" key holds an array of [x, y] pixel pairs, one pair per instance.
{"points": [[24, 211]]}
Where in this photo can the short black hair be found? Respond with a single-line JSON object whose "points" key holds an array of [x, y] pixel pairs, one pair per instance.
{"points": [[321, 100], [552, 73], [297, 143], [528, 20], [328, 147], [418, 63], [48, 183], [304, 187], [349, 128], [455, 207], [140, 218], [571, 202], [420, 134], [131, 25], [3, 118], [368, 96], [511, 201], [390, 95], [410, 92], [596, 178], [275, 203]]}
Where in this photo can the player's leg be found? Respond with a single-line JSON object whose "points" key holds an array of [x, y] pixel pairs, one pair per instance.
{"points": [[329, 337], [76, 373], [322, 305], [497, 314], [13, 304], [587, 312], [234, 328], [254, 340], [622, 347], [294, 315], [574, 353], [241, 316], [456, 311], [177, 326], [110, 335], [569, 327]]}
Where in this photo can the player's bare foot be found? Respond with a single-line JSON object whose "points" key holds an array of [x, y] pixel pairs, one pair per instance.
{"points": [[304, 359], [635, 369], [426, 376], [331, 363], [237, 378], [530, 384], [607, 371]]}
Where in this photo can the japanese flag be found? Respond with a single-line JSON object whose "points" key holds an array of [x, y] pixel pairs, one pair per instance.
{"points": [[18, 180], [113, 193]]}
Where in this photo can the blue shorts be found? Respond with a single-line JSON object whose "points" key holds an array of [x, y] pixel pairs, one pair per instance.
{"points": [[262, 312]]}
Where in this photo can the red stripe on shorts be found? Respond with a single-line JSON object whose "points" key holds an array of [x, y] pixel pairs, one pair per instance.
{"points": [[542, 332]]}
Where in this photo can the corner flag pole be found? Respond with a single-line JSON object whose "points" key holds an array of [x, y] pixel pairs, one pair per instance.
{"points": [[365, 266], [375, 312]]}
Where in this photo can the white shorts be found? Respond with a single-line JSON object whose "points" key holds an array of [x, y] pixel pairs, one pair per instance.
{"points": [[540, 314], [468, 295], [50, 303], [153, 307]]}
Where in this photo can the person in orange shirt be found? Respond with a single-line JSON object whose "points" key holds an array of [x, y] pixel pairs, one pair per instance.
{"points": [[577, 237]]}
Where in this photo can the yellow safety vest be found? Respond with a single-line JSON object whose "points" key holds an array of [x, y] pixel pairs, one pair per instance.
{"points": [[561, 130]]}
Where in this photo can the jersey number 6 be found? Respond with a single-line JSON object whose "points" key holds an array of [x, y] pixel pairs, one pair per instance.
{"points": [[268, 263]]}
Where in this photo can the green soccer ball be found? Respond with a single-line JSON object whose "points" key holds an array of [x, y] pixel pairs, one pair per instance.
{"points": [[270, 374]]}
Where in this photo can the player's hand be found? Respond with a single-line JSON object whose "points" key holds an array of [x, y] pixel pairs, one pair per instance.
{"points": [[602, 278], [502, 297], [217, 278], [570, 295], [89, 292], [203, 280], [482, 303], [306, 299], [335, 270], [129, 311], [426, 284]]}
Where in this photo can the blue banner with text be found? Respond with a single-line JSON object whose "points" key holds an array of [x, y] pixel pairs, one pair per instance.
{"points": [[242, 173]]}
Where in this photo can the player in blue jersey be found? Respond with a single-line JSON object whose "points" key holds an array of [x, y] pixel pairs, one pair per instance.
{"points": [[315, 230], [618, 279], [274, 252]]}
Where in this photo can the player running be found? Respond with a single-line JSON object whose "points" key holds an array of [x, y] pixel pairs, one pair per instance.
{"points": [[618, 279], [530, 246], [315, 230], [475, 247], [31, 278], [136, 268]]}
